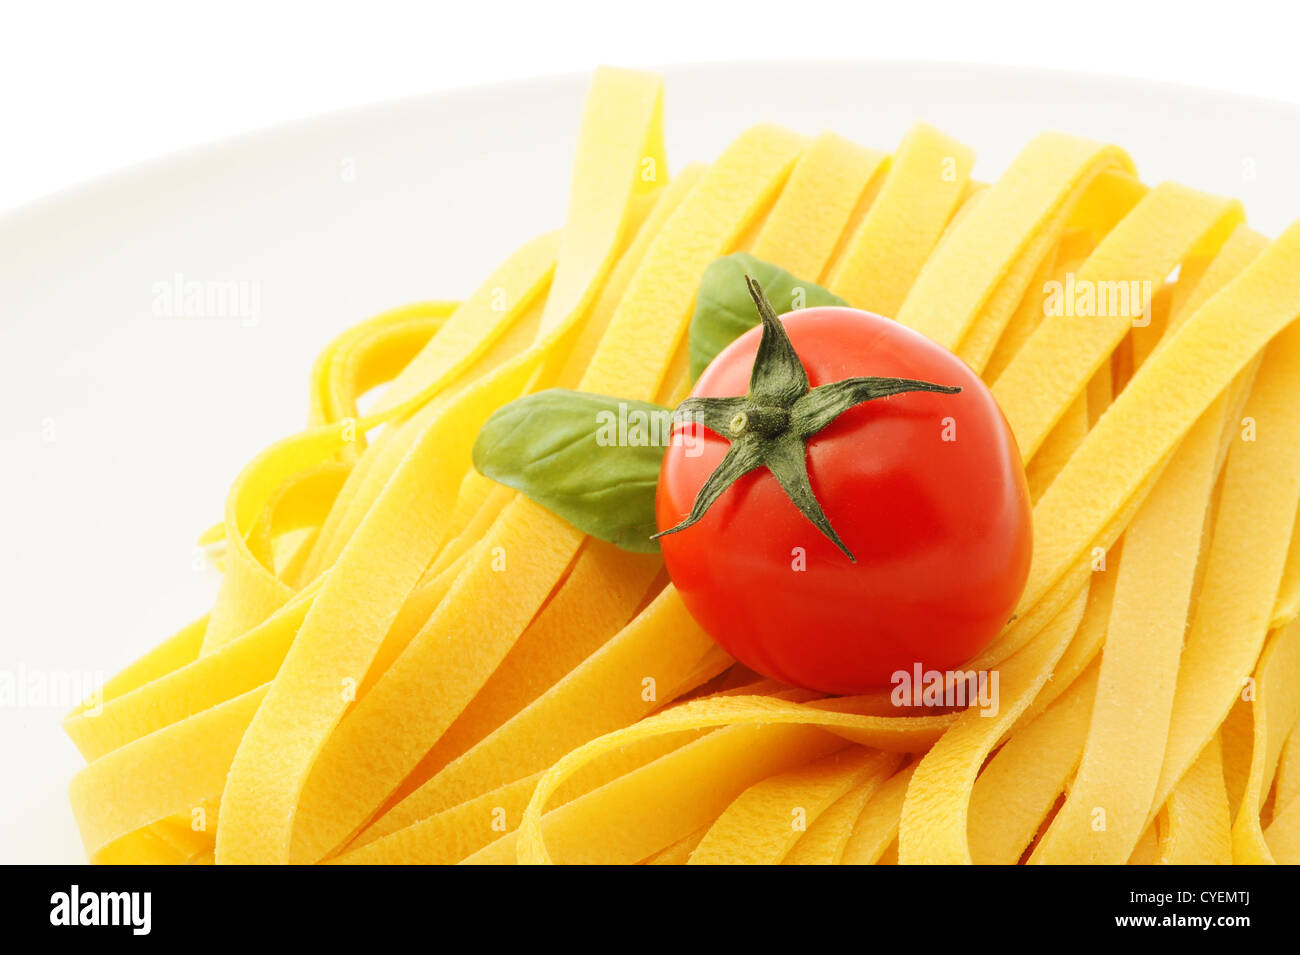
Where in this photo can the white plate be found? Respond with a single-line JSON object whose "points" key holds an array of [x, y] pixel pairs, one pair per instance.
{"points": [[121, 429]]}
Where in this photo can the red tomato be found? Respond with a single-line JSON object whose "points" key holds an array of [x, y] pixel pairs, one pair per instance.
{"points": [[927, 490]]}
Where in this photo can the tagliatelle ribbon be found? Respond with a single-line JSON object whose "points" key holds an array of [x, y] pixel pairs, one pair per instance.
{"points": [[593, 828], [1236, 734], [1195, 825], [763, 824], [1016, 791], [979, 272], [1068, 433], [831, 183], [603, 693], [336, 642], [189, 689], [1177, 383], [620, 276], [827, 838], [1283, 834], [407, 663], [185, 763], [679, 853], [441, 836], [933, 824], [380, 349], [929, 176], [449, 659], [1288, 766], [250, 591], [1065, 350], [876, 828], [1101, 821], [522, 294], [807, 220], [1107, 199], [869, 730], [242, 673], [1243, 569], [458, 832], [596, 600], [1287, 607], [1276, 707], [259, 826]]}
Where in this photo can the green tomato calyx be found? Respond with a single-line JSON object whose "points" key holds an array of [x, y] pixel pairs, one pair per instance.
{"points": [[771, 425]]}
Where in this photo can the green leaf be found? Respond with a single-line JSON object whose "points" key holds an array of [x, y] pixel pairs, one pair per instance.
{"points": [[724, 311], [591, 459]]}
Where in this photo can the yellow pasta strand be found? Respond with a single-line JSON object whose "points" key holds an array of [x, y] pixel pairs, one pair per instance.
{"points": [[185, 764], [806, 221], [870, 730], [232, 670], [1287, 786], [457, 832], [927, 179], [1171, 390], [1017, 789], [376, 351], [338, 639], [404, 525], [170, 655], [1067, 348], [679, 852], [1244, 566], [877, 826], [517, 290], [983, 267], [620, 276], [605, 692], [1287, 607], [762, 825], [1283, 835], [933, 824], [594, 829], [825, 841], [1276, 706], [595, 601], [1195, 826], [1130, 718], [358, 775]]}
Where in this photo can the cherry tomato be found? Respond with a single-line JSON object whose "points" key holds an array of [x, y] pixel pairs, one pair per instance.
{"points": [[927, 491]]}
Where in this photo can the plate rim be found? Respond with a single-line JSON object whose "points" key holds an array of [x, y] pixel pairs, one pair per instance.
{"points": [[123, 177]]}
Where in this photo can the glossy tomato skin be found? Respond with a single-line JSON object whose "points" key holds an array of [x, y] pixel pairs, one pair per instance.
{"points": [[927, 490]]}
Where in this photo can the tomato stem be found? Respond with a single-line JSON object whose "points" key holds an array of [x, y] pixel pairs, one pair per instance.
{"points": [[772, 424]]}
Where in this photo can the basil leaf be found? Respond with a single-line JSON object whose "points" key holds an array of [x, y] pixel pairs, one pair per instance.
{"points": [[724, 311], [591, 459]]}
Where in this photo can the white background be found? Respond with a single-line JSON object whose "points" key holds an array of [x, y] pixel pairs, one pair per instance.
{"points": [[86, 88]]}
